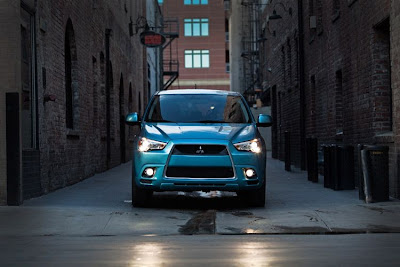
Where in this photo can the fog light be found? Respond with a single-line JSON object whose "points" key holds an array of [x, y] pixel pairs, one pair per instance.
{"points": [[149, 172], [250, 173]]}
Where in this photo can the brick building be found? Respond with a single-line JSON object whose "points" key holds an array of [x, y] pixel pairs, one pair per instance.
{"points": [[395, 78], [202, 48], [332, 75], [61, 105]]}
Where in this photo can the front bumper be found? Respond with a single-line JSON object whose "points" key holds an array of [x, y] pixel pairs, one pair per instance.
{"points": [[160, 160]]}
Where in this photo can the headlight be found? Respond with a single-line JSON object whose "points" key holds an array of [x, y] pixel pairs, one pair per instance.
{"points": [[253, 146], [147, 145]]}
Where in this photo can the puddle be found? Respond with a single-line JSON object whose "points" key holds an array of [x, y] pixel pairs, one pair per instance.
{"points": [[200, 223]]}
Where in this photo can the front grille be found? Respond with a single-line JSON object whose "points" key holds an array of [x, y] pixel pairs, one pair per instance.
{"points": [[200, 172], [200, 185], [200, 150]]}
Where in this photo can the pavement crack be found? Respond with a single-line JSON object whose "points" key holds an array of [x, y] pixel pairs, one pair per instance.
{"points": [[109, 219], [326, 225], [200, 223]]}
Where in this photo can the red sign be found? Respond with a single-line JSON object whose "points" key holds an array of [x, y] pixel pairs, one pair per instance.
{"points": [[152, 39]]}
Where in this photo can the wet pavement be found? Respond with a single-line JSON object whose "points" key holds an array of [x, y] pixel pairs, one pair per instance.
{"points": [[101, 206], [203, 250], [93, 223]]}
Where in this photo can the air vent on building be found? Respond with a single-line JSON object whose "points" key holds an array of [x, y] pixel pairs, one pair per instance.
{"points": [[313, 22]]}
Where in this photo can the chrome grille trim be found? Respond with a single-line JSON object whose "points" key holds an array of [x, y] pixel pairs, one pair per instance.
{"points": [[189, 178]]}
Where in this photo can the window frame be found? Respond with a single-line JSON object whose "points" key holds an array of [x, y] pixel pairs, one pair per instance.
{"points": [[201, 54], [196, 22], [195, 2]]}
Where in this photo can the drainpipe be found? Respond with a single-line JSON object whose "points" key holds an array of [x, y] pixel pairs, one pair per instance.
{"points": [[108, 112], [302, 87]]}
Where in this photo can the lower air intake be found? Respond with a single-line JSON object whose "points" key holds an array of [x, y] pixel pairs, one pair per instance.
{"points": [[200, 172]]}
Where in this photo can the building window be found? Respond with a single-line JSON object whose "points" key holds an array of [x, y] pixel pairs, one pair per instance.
{"points": [[382, 79], [196, 27], [197, 58], [339, 103], [195, 2], [28, 82], [70, 79], [227, 65], [226, 30]]}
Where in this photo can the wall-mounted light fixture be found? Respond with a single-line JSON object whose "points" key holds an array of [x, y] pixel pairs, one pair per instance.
{"points": [[48, 97], [275, 15]]}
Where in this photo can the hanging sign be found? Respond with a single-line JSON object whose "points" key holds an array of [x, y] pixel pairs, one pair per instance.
{"points": [[152, 39]]}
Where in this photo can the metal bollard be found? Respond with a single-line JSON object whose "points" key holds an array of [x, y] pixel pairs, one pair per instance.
{"points": [[287, 151], [367, 179], [375, 167], [327, 166], [360, 177], [312, 159]]}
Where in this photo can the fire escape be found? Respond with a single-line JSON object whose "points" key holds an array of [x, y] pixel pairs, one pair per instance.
{"points": [[170, 64], [250, 48]]}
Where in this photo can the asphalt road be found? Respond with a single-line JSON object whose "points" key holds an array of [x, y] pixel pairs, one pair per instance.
{"points": [[203, 250], [93, 223]]}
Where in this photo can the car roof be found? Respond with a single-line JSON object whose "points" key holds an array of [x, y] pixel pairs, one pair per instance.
{"points": [[196, 92]]}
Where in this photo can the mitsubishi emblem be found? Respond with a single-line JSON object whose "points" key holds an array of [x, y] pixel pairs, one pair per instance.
{"points": [[200, 151]]}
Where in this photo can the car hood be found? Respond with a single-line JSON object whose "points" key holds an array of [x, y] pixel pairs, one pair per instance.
{"points": [[171, 131]]}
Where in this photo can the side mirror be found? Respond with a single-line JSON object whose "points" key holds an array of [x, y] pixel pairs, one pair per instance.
{"points": [[264, 120], [132, 119]]}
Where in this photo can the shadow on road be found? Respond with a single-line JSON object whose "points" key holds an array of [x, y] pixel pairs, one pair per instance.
{"points": [[214, 200]]}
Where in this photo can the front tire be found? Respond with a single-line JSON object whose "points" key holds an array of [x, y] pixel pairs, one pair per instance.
{"points": [[140, 197], [254, 198]]}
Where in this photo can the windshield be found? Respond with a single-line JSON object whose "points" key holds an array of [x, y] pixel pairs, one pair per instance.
{"points": [[198, 108]]}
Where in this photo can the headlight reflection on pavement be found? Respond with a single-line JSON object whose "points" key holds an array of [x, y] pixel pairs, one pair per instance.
{"points": [[253, 254], [147, 254]]}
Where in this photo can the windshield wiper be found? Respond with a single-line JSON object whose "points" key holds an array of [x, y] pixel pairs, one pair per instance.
{"points": [[159, 121], [210, 121]]}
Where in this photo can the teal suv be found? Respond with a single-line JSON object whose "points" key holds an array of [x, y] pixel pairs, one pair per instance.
{"points": [[198, 140]]}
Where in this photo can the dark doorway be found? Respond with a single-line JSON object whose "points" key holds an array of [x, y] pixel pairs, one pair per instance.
{"points": [[122, 120], [13, 149]]}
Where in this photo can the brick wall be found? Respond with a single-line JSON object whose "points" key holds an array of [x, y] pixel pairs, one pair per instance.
{"points": [[9, 53], [395, 56], [281, 69], [353, 44], [31, 174], [347, 75], [70, 155], [345, 45]]}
